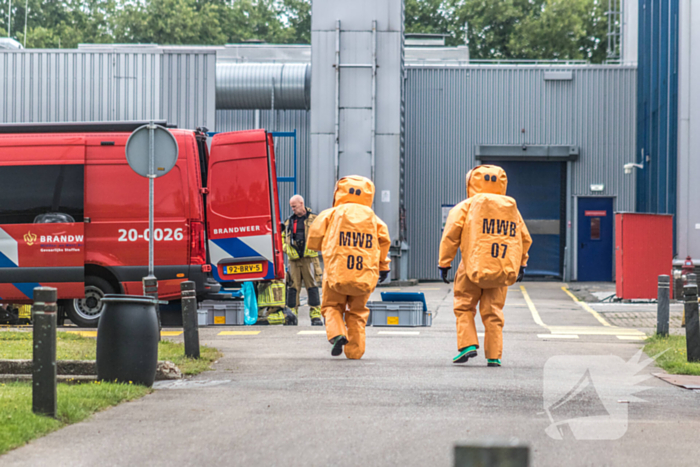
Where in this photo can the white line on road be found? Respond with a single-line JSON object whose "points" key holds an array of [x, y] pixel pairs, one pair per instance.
{"points": [[631, 338], [399, 333], [557, 336], [596, 331]]}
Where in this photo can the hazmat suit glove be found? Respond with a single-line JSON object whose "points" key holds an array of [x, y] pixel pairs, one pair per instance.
{"points": [[443, 274], [520, 274], [382, 276]]}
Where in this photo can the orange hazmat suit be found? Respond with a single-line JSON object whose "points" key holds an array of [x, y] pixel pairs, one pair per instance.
{"points": [[489, 230], [355, 245]]}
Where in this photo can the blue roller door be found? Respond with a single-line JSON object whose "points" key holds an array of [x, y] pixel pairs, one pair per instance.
{"points": [[538, 188]]}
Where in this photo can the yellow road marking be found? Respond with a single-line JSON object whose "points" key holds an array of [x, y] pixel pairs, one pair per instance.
{"points": [[308, 333], [585, 306], [531, 306], [84, 333], [557, 336], [631, 338], [238, 333], [170, 333]]}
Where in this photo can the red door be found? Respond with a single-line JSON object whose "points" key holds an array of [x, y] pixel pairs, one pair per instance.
{"points": [[41, 215], [243, 220]]}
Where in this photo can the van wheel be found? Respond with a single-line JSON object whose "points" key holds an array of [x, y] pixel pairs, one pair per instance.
{"points": [[85, 312]]}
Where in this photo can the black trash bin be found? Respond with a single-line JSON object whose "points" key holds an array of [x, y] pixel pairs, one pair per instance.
{"points": [[127, 340]]}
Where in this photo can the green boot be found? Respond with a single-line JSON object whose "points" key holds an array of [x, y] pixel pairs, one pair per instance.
{"points": [[493, 362], [338, 342], [465, 354]]}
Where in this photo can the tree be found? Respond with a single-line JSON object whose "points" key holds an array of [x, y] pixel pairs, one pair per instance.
{"points": [[431, 16], [561, 29], [297, 15], [488, 25], [65, 24], [169, 22], [493, 29], [255, 19]]}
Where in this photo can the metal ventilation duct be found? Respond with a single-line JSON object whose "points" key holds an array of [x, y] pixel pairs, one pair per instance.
{"points": [[250, 85]]}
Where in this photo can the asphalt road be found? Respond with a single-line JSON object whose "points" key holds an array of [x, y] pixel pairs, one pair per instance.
{"points": [[279, 398]]}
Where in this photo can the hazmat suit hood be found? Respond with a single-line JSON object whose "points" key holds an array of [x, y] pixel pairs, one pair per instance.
{"points": [[486, 179], [354, 189]]}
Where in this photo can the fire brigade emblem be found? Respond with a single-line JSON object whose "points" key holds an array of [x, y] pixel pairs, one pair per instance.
{"points": [[30, 238]]}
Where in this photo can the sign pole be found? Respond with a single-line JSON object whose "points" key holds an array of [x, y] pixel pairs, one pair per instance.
{"points": [[151, 183], [150, 283]]}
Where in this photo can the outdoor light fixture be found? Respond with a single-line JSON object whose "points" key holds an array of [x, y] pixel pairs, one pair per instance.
{"points": [[631, 165]]}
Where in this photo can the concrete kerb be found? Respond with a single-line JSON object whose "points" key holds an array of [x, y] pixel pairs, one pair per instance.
{"points": [[66, 369]]}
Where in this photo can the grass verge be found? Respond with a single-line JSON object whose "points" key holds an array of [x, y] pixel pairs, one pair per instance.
{"points": [[674, 359], [175, 352], [18, 425], [17, 345]]}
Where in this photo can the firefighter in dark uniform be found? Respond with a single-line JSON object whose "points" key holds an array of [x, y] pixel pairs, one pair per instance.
{"points": [[304, 265]]}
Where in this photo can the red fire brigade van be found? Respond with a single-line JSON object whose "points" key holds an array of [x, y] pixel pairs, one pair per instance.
{"points": [[73, 215]]}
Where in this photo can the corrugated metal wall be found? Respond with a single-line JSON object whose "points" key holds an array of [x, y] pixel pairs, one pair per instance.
{"points": [[282, 120], [451, 110], [75, 85], [188, 89], [687, 212], [657, 106]]}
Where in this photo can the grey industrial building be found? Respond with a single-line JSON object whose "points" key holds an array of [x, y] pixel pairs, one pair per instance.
{"points": [[563, 131]]}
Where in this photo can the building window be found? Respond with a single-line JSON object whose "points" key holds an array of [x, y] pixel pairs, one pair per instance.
{"points": [[595, 228]]}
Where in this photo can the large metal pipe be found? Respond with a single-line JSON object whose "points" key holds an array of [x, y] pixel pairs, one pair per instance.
{"points": [[255, 85]]}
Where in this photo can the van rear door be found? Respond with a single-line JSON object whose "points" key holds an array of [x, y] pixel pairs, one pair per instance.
{"points": [[41, 215], [242, 208]]}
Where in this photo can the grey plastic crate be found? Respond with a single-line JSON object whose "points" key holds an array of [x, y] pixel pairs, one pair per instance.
{"points": [[202, 317], [224, 312], [427, 318], [399, 314]]}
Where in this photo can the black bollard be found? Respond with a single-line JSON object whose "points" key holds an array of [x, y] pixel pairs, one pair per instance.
{"points": [[492, 454], [44, 352], [690, 279], [189, 319], [692, 323], [662, 305], [150, 289]]}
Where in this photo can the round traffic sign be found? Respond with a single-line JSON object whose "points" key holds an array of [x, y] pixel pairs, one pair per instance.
{"points": [[165, 150]]}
